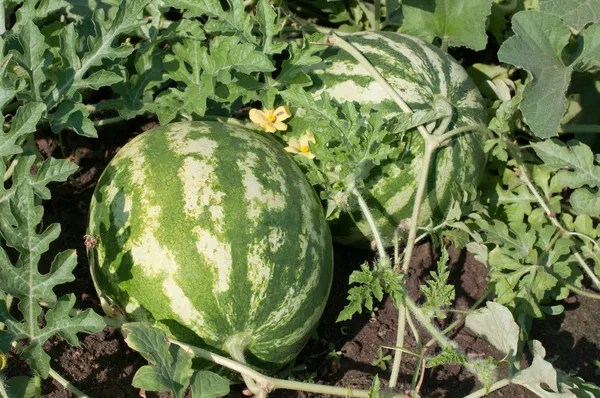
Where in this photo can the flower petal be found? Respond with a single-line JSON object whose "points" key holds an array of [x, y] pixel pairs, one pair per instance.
{"points": [[291, 149], [280, 125], [282, 113], [308, 155], [259, 117], [270, 127]]}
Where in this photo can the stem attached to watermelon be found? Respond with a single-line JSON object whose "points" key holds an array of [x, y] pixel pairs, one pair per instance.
{"points": [[235, 346], [269, 384]]}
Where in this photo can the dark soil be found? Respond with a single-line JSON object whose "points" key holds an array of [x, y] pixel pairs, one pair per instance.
{"points": [[103, 365]]}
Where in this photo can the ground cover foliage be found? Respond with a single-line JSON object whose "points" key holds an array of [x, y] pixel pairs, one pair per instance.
{"points": [[72, 66]]}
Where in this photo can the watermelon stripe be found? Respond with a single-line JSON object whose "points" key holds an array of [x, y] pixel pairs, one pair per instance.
{"points": [[222, 235], [420, 72]]}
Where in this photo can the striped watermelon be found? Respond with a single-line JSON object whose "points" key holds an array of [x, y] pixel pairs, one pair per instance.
{"points": [[419, 72], [212, 233]]}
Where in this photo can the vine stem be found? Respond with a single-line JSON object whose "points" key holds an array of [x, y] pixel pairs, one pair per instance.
{"points": [[270, 383], [483, 392], [66, 384], [108, 121], [412, 234], [377, 17], [37, 384], [3, 392], [523, 175], [582, 292], [579, 128], [371, 221], [235, 346], [2, 20], [459, 321]]}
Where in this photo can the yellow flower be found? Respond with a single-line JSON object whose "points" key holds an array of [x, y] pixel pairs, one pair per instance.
{"points": [[271, 120], [301, 145]]}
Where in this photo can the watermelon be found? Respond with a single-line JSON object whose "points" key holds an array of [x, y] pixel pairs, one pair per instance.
{"points": [[212, 233], [419, 72]]}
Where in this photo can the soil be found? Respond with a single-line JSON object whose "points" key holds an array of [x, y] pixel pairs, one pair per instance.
{"points": [[103, 365]]}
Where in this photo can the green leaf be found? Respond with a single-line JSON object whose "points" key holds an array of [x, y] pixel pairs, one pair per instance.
{"points": [[24, 281], [34, 10], [537, 47], [439, 294], [101, 78], [135, 92], [170, 366], [200, 69], [575, 13], [74, 115], [375, 389], [209, 385], [371, 283], [34, 58], [24, 122], [589, 60], [496, 325], [236, 20], [448, 356], [539, 375], [100, 47], [267, 21], [51, 170], [21, 387], [574, 163], [58, 321], [456, 22], [292, 68]]}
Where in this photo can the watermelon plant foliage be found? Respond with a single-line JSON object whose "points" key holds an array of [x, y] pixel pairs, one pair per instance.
{"points": [[72, 67]]}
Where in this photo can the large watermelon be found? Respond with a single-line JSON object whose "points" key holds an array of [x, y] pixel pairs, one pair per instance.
{"points": [[419, 72], [213, 233]]}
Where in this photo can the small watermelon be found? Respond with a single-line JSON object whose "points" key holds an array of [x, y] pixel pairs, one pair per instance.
{"points": [[419, 72], [212, 233]]}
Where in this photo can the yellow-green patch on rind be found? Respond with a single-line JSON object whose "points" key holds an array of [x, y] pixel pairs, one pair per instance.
{"points": [[419, 72], [211, 230]]}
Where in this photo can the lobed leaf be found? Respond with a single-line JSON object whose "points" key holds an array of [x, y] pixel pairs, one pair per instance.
{"points": [[496, 325], [575, 13], [589, 59], [574, 165], [457, 22], [537, 47]]}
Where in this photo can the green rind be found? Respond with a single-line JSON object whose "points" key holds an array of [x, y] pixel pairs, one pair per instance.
{"points": [[211, 230], [419, 72]]}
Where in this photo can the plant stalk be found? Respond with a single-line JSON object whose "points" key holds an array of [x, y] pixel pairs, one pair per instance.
{"points": [[377, 17], [37, 382], [575, 289], [3, 392], [459, 321], [271, 383], [371, 221], [412, 234], [579, 128], [108, 121], [2, 20], [483, 392], [66, 384]]}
